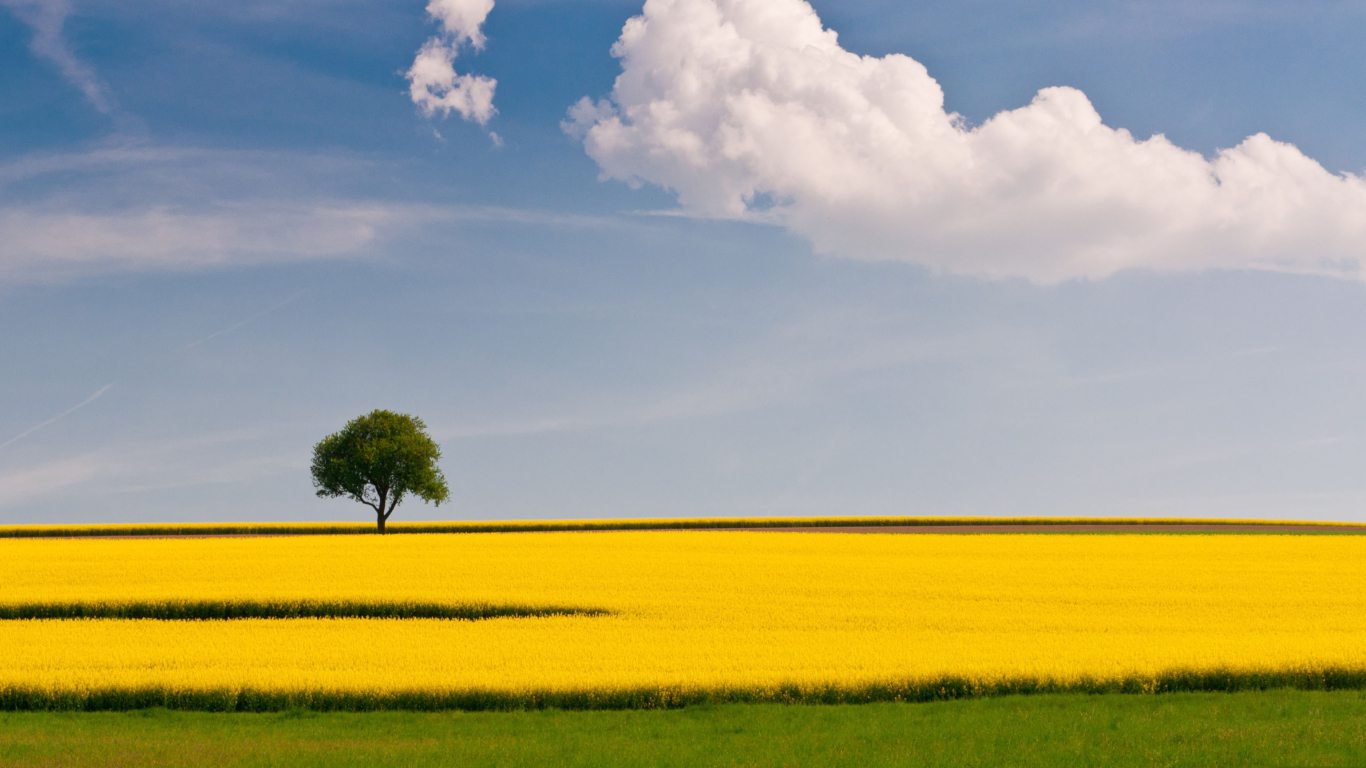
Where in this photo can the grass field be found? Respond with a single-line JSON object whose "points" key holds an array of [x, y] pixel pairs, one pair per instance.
{"points": [[676, 617], [1272, 728]]}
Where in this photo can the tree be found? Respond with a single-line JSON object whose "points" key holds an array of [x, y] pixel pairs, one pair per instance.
{"points": [[377, 459]]}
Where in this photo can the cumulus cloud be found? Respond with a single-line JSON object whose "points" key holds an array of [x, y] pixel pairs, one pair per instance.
{"points": [[47, 18], [434, 85], [750, 109]]}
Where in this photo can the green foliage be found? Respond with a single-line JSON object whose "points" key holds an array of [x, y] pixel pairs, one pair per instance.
{"points": [[191, 610], [377, 459], [947, 688], [1271, 728]]}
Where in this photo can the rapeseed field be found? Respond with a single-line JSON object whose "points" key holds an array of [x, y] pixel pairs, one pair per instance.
{"points": [[659, 618]]}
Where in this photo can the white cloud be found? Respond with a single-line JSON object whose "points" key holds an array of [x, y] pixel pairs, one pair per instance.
{"points": [[43, 244], [20, 486], [751, 109], [138, 208], [47, 18], [110, 209], [462, 19], [434, 85]]}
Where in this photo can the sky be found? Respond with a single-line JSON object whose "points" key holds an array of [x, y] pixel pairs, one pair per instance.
{"points": [[688, 258]]}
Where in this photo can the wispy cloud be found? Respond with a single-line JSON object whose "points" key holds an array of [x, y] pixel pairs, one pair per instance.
{"points": [[48, 18], [1159, 19], [246, 322], [794, 375], [56, 244], [23, 485], [230, 456], [66, 215], [140, 169], [45, 244], [59, 416]]}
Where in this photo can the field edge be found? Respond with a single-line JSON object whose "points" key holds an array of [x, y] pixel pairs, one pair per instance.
{"points": [[547, 526], [18, 698]]}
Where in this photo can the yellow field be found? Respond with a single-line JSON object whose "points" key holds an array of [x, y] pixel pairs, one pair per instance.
{"points": [[693, 615]]}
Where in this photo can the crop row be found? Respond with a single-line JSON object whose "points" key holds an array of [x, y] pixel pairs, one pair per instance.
{"points": [[21, 698], [184, 610]]}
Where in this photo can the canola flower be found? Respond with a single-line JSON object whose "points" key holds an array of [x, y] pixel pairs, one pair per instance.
{"points": [[685, 616]]}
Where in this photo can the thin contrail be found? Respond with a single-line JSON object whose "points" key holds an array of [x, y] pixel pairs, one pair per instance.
{"points": [[251, 319], [61, 415]]}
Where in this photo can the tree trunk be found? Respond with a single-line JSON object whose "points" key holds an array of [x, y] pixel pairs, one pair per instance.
{"points": [[381, 523]]}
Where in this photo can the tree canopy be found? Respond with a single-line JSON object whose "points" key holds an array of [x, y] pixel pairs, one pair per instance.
{"points": [[377, 459]]}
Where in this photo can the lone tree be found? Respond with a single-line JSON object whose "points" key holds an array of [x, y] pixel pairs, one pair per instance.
{"points": [[377, 459]]}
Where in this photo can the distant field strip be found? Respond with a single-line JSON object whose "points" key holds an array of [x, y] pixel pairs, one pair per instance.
{"points": [[547, 526], [687, 617], [193, 610]]}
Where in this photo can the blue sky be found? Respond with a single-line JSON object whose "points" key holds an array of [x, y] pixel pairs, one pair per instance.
{"points": [[233, 222]]}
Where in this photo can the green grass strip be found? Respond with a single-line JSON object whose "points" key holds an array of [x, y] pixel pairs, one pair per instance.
{"points": [[1270, 729], [191, 610], [293, 529], [35, 698]]}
